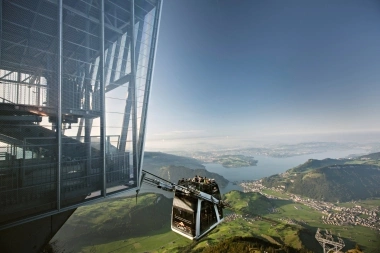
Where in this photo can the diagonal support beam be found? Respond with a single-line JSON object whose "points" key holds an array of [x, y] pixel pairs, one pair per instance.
{"points": [[148, 83]]}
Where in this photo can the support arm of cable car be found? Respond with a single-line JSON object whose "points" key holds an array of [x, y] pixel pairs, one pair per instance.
{"points": [[188, 189], [197, 205]]}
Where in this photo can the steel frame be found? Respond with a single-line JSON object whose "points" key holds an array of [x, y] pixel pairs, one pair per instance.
{"points": [[138, 134]]}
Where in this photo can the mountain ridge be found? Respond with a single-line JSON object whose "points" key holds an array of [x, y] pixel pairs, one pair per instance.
{"points": [[331, 179]]}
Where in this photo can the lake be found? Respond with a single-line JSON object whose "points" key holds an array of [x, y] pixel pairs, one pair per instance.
{"points": [[270, 165]]}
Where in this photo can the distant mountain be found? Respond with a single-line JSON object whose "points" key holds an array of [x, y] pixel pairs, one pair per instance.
{"points": [[153, 161], [315, 164], [174, 167], [344, 182]]}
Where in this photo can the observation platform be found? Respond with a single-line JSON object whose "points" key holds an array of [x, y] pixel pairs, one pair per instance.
{"points": [[68, 115], [65, 67]]}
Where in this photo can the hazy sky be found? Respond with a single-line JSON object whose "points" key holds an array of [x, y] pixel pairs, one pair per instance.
{"points": [[258, 70]]}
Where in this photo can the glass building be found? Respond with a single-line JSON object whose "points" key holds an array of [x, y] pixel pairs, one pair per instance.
{"points": [[75, 79]]}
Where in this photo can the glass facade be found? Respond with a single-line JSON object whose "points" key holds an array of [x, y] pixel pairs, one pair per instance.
{"points": [[75, 78]]}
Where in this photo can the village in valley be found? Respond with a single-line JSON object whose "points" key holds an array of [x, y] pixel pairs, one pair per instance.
{"points": [[332, 214]]}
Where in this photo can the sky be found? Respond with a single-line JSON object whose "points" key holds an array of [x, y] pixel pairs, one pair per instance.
{"points": [[244, 72]]}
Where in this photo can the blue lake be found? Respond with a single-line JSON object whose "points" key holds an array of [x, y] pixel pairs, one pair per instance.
{"points": [[270, 165]]}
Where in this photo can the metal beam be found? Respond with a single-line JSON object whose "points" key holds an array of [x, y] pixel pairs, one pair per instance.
{"points": [[128, 78], [59, 113], [107, 64], [10, 71], [149, 78], [125, 125], [132, 84], [31, 27], [16, 44], [102, 104], [21, 82], [11, 140], [27, 118], [138, 43], [87, 106], [84, 15], [31, 11], [123, 80], [28, 78], [115, 59], [124, 60], [1, 26]]}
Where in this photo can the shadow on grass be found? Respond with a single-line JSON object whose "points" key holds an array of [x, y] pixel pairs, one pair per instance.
{"points": [[151, 216]]}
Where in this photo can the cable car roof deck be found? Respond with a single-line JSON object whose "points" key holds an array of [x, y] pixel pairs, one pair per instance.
{"points": [[208, 186]]}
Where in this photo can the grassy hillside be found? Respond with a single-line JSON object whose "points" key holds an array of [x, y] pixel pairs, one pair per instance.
{"points": [[173, 167], [252, 202], [289, 223], [153, 161], [240, 244], [373, 156], [121, 225], [331, 179], [315, 164]]}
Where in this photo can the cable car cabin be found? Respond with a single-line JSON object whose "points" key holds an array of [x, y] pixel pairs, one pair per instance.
{"points": [[196, 213], [197, 204]]}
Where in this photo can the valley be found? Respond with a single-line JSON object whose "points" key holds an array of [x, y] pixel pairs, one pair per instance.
{"points": [[267, 216]]}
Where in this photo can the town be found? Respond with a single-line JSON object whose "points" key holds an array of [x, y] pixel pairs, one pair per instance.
{"points": [[332, 214]]}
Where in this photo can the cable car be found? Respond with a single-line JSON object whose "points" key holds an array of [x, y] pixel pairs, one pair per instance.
{"points": [[197, 205]]}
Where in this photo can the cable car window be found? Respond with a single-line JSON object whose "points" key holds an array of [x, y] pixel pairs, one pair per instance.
{"points": [[183, 221], [208, 216]]}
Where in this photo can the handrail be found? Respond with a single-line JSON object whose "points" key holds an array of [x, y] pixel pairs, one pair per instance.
{"points": [[4, 99]]}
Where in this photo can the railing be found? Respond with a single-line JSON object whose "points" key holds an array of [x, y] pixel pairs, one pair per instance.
{"points": [[28, 174], [73, 96], [6, 100], [20, 93]]}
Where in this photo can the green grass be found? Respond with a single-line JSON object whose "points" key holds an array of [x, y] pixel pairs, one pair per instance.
{"points": [[312, 175], [249, 202], [117, 225], [369, 203], [271, 231], [275, 193], [163, 240], [370, 162], [120, 223], [346, 204], [288, 234], [287, 208], [364, 236]]}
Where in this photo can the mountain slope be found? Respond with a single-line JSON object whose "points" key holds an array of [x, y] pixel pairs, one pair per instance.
{"points": [[173, 167], [315, 164], [373, 156], [333, 183], [153, 161], [340, 183]]}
